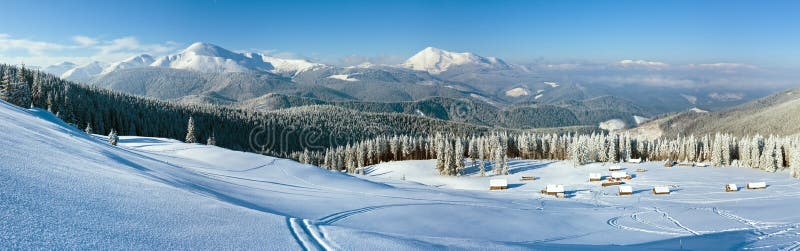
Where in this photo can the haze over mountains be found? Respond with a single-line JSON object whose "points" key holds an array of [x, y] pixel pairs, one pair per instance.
{"points": [[207, 73]]}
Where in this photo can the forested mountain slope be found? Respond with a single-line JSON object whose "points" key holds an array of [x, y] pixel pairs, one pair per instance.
{"points": [[277, 132], [589, 112], [775, 114]]}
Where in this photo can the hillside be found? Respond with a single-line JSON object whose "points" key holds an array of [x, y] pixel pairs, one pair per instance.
{"points": [[590, 112], [204, 72], [155, 193], [775, 114]]}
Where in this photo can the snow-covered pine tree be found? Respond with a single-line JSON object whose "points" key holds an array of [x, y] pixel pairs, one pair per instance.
{"points": [[370, 147], [304, 157], [5, 84], [794, 157], [716, 151], [394, 147], [88, 129], [113, 138], [481, 146], [191, 136], [611, 155], [349, 159], [472, 150], [459, 156], [211, 141]]}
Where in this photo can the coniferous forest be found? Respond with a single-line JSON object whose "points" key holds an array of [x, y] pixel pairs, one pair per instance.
{"points": [[347, 140]]}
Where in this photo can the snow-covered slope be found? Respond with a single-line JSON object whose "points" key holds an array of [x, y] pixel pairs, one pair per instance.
{"points": [[435, 61], [63, 189], [60, 68], [84, 72], [286, 66], [137, 61], [207, 57]]}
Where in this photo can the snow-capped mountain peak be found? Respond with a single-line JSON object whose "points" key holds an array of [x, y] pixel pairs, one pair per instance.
{"points": [[435, 60], [84, 72], [207, 57], [199, 56], [60, 68], [137, 61]]}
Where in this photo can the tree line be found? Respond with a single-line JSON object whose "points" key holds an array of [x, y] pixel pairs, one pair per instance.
{"points": [[276, 133], [492, 150]]}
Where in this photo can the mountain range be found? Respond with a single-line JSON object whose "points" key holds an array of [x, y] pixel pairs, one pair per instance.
{"points": [[207, 73]]}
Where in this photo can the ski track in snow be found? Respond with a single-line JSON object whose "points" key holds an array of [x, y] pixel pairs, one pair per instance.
{"points": [[675, 221]]}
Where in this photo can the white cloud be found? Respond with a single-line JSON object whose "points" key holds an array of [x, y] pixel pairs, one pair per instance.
{"points": [[628, 62], [7, 42], [84, 41], [84, 49]]}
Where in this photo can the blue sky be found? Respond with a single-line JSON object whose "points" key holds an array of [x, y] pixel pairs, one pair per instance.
{"points": [[763, 33]]}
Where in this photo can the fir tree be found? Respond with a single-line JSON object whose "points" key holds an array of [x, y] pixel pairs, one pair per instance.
{"points": [[190, 133], [113, 138]]}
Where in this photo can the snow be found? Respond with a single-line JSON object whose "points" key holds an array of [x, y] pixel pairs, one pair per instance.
{"points": [[555, 188], [293, 66], [612, 125], [84, 72], [60, 68], [63, 189], [436, 61], [538, 96], [552, 84], [344, 77], [615, 168], [661, 189], [595, 176], [625, 189], [138, 61], [517, 92], [206, 57], [755, 185], [619, 174], [498, 182], [698, 110], [484, 99], [640, 120]]}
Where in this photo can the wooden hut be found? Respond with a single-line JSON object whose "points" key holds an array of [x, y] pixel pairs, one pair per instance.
{"points": [[498, 184], [731, 188], [661, 190], [635, 161], [614, 168], [757, 185], [595, 177], [625, 190], [620, 175], [557, 190]]}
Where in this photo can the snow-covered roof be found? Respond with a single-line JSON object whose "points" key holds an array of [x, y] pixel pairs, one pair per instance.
{"points": [[757, 184], [498, 182], [595, 176], [635, 160], [661, 189], [620, 174], [625, 189], [614, 168], [555, 188], [733, 186]]}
